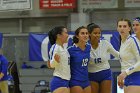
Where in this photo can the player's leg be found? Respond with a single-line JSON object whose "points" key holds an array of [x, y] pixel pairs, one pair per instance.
{"points": [[76, 89], [87, 89], [94, 87], [132, 89], [62, 90], [106, 86], [4, 87]]}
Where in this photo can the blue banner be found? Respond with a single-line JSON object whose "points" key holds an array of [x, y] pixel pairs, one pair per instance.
{"points": [[39, 44], [35, 42]]}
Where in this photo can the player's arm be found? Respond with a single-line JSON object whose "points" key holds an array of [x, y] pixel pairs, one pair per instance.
{"points": [[4, 67], [111, 50], [134, 68], [135, 46], [54, 57]]}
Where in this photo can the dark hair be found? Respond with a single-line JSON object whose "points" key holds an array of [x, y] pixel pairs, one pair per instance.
{"points": [[54, 32], [91, 27], [137, 19], [75, 39], [128, 21]]}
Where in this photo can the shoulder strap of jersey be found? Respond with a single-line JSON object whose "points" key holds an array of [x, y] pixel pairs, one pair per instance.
{"points": [[136, 44]]}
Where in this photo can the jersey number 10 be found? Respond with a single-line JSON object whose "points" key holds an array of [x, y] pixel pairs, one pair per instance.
{"points": [[85, 62]]}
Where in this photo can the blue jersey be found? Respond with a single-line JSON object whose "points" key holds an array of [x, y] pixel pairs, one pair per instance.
{"points": [[79, 62], [3, 67]]}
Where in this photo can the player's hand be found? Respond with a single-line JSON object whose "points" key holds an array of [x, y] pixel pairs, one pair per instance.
{"points": [[48, 64], [57, 58], [121, 78], [1, 75]]}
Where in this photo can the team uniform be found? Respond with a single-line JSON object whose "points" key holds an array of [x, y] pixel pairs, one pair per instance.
{"points": [[3, 69], [79, 60], [61, 75], [99, 68], [130, 60]]}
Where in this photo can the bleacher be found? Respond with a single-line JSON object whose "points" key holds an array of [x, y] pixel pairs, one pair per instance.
{"points": [[29, 77]]}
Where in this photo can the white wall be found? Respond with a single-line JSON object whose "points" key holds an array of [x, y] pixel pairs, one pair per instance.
{"points": [[77, 20], [108, 19], [35, 20]]}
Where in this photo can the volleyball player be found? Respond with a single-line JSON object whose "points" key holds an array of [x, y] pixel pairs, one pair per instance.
{"points": [[3, 73], [59, 60], [130, 56], [100, 74], [79, 58]]}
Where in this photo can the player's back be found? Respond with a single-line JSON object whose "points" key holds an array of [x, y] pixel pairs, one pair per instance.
{"points": [[62, 68]]}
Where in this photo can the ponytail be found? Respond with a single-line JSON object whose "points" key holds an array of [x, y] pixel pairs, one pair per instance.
{"points": [[52, 38], [75, 39], [54, 32]]}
